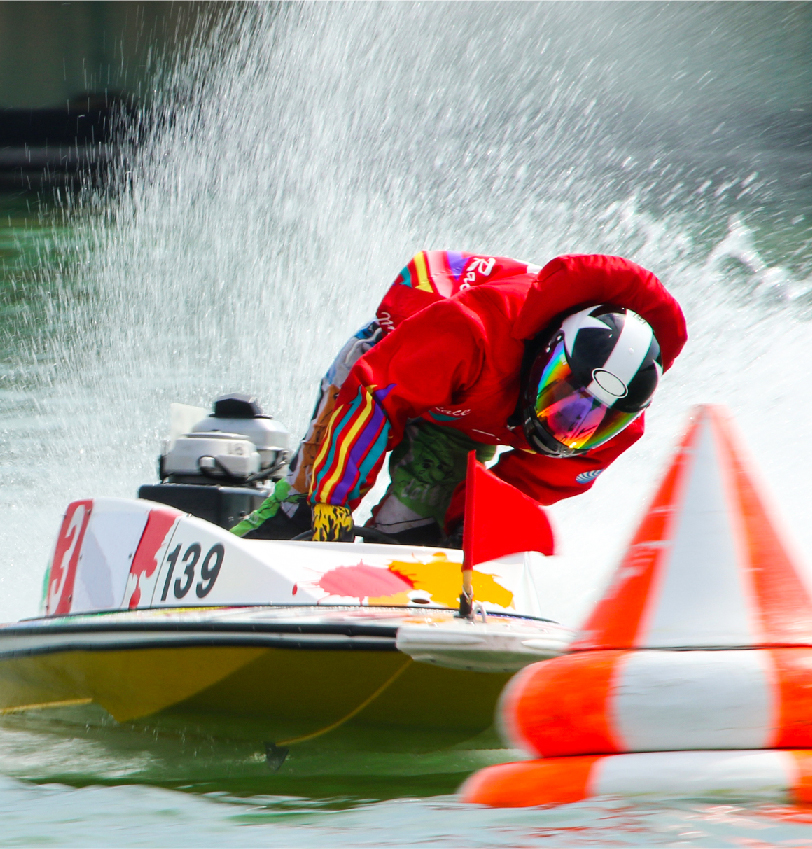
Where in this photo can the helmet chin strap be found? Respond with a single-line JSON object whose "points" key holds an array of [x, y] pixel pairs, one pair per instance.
{"points": [[538, 445]]}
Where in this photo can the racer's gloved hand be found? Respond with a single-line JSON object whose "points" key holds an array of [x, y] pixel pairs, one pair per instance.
{"points": [[454, 538], [332, 523]]}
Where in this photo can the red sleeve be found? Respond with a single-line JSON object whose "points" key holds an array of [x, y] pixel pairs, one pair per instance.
{"points": [[424, 363], [549, 479]]}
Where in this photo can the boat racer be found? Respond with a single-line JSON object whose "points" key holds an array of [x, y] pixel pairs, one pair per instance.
{"points": [[471, 352]]}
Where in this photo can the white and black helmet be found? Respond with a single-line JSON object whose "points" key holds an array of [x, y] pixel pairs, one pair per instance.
{"points": [[591, 378]]}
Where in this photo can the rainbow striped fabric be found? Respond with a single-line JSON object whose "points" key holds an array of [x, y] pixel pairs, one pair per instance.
{"points": [[435, 271], [353, 450]]}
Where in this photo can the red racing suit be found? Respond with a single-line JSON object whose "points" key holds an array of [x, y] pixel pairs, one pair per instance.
{"points": [[456, 330]]}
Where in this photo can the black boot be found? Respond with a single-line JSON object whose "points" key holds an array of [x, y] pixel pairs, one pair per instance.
{"points": [[280, 516], [429, 535]]}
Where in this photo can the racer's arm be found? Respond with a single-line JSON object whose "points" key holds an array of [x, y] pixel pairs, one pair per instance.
{"points": [[426, 362], [550, 479]]}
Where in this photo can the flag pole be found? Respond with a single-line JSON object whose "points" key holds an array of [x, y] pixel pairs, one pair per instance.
{"points": [[467, 595], [466, 610]]}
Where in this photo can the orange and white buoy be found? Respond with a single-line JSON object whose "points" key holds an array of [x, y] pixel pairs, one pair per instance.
{"points": [[693, 674], [765, 774]]}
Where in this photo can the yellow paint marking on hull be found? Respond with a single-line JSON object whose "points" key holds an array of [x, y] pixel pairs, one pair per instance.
{"points": [[442, 578]]}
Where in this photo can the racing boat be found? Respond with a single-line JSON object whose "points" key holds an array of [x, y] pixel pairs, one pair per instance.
{"points": [[153, 612]]}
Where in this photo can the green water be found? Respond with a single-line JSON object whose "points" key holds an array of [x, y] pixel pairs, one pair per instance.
{"points": [[21, 242], [130, 785]]}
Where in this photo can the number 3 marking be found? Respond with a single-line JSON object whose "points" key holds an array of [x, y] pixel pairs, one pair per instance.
{"points": [[192, 551]]}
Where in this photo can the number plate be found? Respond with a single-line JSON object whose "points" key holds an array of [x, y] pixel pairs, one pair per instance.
{"points": [[190, 568]]}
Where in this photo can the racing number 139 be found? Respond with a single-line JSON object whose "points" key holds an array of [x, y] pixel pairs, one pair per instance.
{"points": [[209, 570]]}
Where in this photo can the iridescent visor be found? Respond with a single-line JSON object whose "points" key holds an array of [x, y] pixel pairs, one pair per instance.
{"points": [[569, 413]]}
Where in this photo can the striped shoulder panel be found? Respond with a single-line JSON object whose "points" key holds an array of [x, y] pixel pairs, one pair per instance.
{"points": [[438, 272]]}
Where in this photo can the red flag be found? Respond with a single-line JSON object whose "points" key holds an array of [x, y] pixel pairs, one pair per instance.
{"points": [[499, 519]]}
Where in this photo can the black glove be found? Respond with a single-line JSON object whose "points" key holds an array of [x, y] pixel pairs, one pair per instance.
{"points": [[332, 523], [454, 538]]}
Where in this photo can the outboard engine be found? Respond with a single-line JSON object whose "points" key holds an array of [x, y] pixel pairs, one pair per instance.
{"points": [[221, 467]]}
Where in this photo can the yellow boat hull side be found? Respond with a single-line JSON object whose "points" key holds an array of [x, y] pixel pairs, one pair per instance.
{"points": [[292, 689], [310, 689], [128, 684]]}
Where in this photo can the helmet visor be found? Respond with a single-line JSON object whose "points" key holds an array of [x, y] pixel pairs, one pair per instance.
{"points": [[569, 413]]}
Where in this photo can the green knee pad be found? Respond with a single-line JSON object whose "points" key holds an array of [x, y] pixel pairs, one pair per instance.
{"points": [[427, 466]]}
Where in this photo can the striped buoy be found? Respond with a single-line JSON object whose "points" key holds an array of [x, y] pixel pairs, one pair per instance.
{"points": [[763, 774], [706, 568], [606, 702], [702, 643]]}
